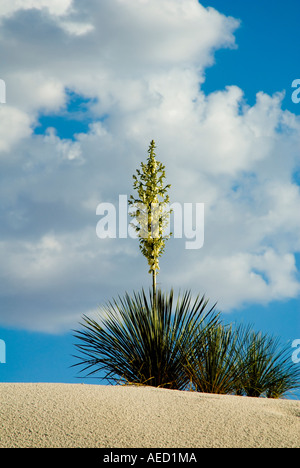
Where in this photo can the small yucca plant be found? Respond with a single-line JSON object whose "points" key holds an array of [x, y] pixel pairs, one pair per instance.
{"points": [[266, 364], [136, 341], [238, 360], [213, 367]]}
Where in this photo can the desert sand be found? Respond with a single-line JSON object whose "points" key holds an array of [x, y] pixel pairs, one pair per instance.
{"points": [[41, 415]]}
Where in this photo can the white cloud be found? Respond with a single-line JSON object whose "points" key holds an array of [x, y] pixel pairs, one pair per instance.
{"points": [[15, 125], [244, 278], [142, 63], [78, 29], [55, 7]]}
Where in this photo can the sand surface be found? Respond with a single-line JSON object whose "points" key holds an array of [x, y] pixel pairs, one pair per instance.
{"points": [[79, 415]]}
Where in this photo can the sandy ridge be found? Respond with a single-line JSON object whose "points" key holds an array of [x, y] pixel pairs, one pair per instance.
{"points": [[78, 415]]}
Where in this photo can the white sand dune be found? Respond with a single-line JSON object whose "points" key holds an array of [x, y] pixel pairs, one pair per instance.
{"points": [[78, 415]]}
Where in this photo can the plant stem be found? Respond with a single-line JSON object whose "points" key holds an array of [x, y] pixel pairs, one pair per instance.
{"points": [[154, 287]]}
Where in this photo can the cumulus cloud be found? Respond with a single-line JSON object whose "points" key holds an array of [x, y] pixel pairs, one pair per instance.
{"points": [[139, 66], [15, 125], [55, 7]]}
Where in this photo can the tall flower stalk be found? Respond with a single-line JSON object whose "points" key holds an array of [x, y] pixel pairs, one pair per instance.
{"points": [[150, 209]]}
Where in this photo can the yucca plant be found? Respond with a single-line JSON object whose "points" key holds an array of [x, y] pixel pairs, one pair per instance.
{"points": [[238, 360], [214, 364], [134, 342], [266, 366]]}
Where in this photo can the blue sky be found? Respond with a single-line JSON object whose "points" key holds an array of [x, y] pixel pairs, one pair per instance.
{"points": [[266, 58], [87, 89]]}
